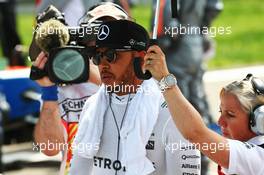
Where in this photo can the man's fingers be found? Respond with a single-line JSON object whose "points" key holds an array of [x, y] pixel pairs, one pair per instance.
{"points": [[154, 53], [39, 59], [149, 68], [151, 56], [155, 49], [155, 62], [152, 64], [42, 63]]}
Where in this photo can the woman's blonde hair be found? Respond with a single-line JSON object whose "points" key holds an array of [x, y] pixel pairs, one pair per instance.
{"points": [[245, 93]]}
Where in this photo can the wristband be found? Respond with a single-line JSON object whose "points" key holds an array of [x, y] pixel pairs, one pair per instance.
{"points": [[49, 93]]}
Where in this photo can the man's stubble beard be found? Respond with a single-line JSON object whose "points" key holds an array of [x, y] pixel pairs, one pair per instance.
{"points": [[128, 82]]}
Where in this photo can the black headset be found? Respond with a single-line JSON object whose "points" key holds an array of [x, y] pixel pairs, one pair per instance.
{"points": [[138, 71], [256, 115], [138, 62]]}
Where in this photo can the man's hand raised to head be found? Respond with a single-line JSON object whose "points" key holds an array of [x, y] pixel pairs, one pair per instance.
{"points": [[155, 62]]}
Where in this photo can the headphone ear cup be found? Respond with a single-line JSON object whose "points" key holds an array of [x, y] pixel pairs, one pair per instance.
{"points": [[257, 120], [138, 71]]}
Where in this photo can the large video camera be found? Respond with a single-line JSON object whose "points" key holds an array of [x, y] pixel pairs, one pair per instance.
{"points": [[66, 47]]}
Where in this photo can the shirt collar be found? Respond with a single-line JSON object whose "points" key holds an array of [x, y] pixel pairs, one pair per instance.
{"points": [[258, 140], [121, 99]]}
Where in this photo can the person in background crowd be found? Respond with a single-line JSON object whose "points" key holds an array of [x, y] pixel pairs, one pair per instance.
{"points": [[74, 9], [10, 39]]}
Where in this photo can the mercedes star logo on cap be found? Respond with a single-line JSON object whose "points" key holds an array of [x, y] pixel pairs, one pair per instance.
{"points": [[132, 42], [103, 32]]}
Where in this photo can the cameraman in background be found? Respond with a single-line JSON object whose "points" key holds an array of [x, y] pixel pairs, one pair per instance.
{"points": [[74, 9], [62, 105], [185, 49]]}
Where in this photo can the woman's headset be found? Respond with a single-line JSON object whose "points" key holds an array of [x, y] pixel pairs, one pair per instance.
{"points": [[256, 116]]}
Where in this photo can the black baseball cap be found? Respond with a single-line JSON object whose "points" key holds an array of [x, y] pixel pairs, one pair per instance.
{"points": [[122, 34]]}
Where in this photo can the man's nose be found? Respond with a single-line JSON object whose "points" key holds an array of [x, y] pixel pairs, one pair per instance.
{"points": [[104, 62]]}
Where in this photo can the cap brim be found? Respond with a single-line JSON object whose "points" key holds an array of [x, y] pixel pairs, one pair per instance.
{"points": [[104, 15]]}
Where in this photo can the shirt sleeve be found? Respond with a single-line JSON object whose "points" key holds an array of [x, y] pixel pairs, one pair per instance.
{"points": [[182, 157], [245, 158]]}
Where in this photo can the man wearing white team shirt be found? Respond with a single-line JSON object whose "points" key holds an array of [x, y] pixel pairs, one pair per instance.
{"points": [[126, 128], [60, 114]]}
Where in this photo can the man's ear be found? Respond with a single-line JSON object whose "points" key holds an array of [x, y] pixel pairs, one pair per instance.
{"points": [[140, 54]]}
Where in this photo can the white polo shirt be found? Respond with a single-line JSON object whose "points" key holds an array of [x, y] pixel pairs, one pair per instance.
{"points": [[246, 158], [170, 153]]}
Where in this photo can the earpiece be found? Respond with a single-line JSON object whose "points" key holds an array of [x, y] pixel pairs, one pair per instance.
{"points": [[138, 62], [138, 71], [256, 120], [256, 116]]}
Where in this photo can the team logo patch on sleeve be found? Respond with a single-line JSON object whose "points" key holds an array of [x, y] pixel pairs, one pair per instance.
{"points": [[164, 105], [150, 145], [249, 145]]}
